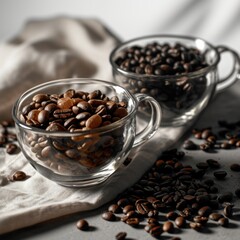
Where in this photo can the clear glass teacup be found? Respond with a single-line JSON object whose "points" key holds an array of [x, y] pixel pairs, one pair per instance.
{"points": [[184, 95], [88, 156]]}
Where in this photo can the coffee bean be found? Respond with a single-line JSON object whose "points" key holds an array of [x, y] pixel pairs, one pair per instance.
{"points": [[223, 222], [204, 211], [172, 215], [168, 227], [189, 145], [220, 174], [196, 226], [82, 224], [156, 231], [180, 222], [228, 210], [235, 167], [202, 165], [109, 216], [121, 236], [40, 98], [215, 216], [114, 208], [200, 219], [132, 222], [11, 148], [19, 176]]}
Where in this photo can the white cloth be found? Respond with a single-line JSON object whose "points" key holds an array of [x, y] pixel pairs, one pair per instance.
{"points": [[47, 50]]}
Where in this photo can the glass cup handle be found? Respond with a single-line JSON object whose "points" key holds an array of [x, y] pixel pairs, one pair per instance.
{"points": [[153, 124], [235, 72]]}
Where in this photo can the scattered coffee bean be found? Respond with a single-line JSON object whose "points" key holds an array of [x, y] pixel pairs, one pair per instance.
{"points": [[189, 145], [202, 165], [223, 222], [172, 215], [200, 219], [228, 210], [168, 227], [114, 208], [82, 224], [195, 225], [205, 211], [11, 148], [19, 176], [180, 222], [156, 231], [213, 163], [121, 236], [132, 222], [220, 174], [109, 216], [215, 216], [235, 167]]}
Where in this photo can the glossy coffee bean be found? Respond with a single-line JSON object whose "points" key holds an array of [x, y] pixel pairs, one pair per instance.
{"points": [[82, 224], [108, 216], [121, 236]]}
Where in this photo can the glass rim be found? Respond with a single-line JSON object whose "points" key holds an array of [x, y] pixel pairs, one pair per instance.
{"points": [[177, 38], [103, 129]]}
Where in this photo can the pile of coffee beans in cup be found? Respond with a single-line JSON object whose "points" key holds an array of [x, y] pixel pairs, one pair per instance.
{"points": [[76, 112], [7, 137], [161, 59], [172, 196], [163, 72]]}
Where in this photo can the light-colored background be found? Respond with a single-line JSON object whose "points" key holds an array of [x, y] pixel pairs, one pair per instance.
{"points": [[217, 21]]}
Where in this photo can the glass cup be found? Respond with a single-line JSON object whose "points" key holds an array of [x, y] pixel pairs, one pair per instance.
{"points": [[85, 157], [182, 96]]}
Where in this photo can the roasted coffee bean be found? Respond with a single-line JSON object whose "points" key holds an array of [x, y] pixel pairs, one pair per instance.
{"points": [[200, 219], [189, 145], [220, 174], [82, 224], [180, 222], [11, 148], [38, 98], [168, 227], [152, 221], [123, 202], [228, 211], [121, 236], [114, 208], [19, 176], [175, 238], [172, 215], [202, 165], [204, 211], [215, 216], [156, 231], [235, 167], [132, 222], [109, 216], [196, 226], [223, 222]]}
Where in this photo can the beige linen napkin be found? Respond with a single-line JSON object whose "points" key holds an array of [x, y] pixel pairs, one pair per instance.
{"points": [[46, 50]]}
